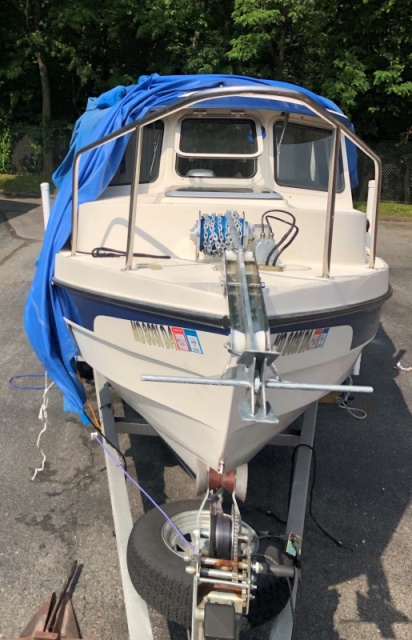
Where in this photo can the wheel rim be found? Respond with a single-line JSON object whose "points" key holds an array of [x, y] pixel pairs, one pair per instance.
{"points": [[188, 521]]}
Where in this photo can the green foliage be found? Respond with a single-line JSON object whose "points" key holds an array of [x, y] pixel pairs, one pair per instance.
{"points": [[266, 31], [356, 52], [27, 184], [5, 148], [390, 209]]}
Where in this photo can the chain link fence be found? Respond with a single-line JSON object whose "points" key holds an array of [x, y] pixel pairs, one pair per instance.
{"points": [[21, 148], [396, 175], [21, 152]]}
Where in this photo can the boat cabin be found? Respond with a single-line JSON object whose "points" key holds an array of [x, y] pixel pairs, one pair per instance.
{"points": [[209, 160]]}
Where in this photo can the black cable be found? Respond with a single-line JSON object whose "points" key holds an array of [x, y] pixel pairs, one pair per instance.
{"points": [[288, 213], [271, 536], [338, 543], [292, 226], [288, 232], [292, 606], [100, 432], [286, 246], [270, 513], [277, 246], [283, 238], [106, 252]]}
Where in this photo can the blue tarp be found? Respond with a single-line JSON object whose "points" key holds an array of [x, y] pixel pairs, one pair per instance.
{"points": [[47, 305]]}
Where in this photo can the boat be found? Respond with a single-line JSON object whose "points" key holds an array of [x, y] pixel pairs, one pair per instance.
{"points": [[205, 256]]}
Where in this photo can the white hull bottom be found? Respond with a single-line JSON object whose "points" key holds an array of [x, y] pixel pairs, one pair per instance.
{"points": [[202, 423]]}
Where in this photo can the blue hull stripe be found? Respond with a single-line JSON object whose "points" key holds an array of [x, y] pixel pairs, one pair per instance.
{"points": [[364, 319]]}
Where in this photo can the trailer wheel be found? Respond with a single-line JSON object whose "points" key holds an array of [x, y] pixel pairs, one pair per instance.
{"points": [[157, 569]]}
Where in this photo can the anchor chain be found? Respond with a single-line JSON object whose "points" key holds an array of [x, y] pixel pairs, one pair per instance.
{"points": [[216, 235]]}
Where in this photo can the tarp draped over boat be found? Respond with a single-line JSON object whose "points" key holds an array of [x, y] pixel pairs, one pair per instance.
{"points": [[47, 305]]}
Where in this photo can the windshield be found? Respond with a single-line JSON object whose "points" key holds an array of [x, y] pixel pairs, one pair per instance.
{"points": [[302, 156], [150, 160], [221, 136], [203, 138]]}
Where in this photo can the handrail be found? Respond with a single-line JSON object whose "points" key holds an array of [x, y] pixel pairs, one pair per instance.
{"points": [[133, 199], [193, 98], [330, 205]]}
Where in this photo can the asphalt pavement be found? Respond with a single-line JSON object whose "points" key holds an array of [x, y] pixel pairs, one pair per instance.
{"points": [[362, 492]]}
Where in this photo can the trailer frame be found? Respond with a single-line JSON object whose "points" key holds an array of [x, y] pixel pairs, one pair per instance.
{"points": [[137, 614]]}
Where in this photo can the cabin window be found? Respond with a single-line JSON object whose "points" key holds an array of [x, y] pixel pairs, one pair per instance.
{"points": [[150, 160], [302, 156], [218, 148]]}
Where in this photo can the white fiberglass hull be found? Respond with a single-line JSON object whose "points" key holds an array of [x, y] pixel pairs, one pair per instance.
{"points": [[199, 422]]}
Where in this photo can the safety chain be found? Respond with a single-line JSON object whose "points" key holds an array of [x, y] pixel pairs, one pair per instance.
{"points": [[216, 239]]}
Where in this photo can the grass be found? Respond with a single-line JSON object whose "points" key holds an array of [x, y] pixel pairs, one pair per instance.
{"points": [[389, 209], [24, 184]]}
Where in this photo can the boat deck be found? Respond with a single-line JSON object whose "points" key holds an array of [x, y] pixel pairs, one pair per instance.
{"points": [[172, 281]]}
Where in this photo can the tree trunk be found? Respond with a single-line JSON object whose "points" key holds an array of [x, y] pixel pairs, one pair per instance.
{"points": [[45, 115], [280, 66]]}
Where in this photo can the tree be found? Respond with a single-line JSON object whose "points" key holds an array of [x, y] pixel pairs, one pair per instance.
{"points": [[367, 62], [186, 36], [357, 52], [267, 31]]}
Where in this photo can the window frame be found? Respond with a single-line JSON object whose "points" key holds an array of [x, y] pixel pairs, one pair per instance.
{"points": [[234, 118], [340, 188], [158, 155]]}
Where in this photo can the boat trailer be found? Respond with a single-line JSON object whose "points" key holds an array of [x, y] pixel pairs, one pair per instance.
{"points": [[56, 619], [136, 609]]}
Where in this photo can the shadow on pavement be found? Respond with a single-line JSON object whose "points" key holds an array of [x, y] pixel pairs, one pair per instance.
{"points": [[361, 493], [363, 489], [11, 208]]}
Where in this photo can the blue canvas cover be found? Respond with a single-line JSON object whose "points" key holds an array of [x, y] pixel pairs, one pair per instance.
{"points": [[47, 305]]}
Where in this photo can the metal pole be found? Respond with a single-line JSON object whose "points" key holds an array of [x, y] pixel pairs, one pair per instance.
{"points": [[330, 208], [133, 199], [75, 203], [45, 200], [375, 212], [192, 99]]}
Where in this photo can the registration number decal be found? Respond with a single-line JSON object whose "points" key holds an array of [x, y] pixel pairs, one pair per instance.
{"points": [[290, 342], [160, 335]]}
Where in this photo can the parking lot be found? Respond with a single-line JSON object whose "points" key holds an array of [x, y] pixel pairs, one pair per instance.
{"points": [[362, 492]]}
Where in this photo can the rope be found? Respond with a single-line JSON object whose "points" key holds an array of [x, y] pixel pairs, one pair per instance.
{"points": [[355, 412], [42, 416], [401, 368], [23, 387], [186, 543]]}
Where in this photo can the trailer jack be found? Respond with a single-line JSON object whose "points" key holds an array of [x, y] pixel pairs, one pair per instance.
{"points": [[55, 618]]}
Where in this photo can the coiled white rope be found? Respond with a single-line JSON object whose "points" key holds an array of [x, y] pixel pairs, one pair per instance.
{"points": [[355, 412], [43, 417], [401, 368]]}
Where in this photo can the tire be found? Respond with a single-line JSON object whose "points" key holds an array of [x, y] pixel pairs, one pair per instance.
{"points": [[158, 574]]}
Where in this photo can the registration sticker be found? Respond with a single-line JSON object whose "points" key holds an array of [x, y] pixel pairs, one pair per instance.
{"points": [[180, 339], [314, 342], [322, 338], [166, 337], [193, 341]]}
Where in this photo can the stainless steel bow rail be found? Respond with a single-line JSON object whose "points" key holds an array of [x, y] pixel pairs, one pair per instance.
{"points": [[281, 94]]}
